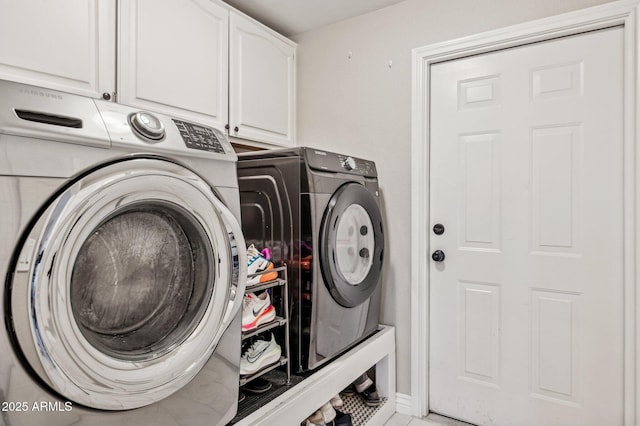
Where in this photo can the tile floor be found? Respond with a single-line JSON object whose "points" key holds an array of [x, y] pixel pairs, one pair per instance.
{"points": [[431, 420]]}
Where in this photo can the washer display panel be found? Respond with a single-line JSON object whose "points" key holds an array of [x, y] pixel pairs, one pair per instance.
{"points": [[133, 278]]}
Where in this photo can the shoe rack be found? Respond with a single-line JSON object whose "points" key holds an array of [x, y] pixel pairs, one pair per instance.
{"points": [[297, 403], [282, 320]]}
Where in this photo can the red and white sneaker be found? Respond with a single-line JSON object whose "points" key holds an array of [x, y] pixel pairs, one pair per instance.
{"points": [[256, 310]]}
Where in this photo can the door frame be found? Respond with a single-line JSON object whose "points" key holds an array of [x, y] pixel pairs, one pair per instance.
{"points": [[620, 13]]}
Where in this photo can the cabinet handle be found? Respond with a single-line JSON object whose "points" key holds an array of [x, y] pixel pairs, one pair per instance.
{"points": [[235, 129], [106, 96], [226, 126]]}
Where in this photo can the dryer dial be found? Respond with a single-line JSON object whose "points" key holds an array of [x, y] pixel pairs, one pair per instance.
{"points": [[349, 163]]}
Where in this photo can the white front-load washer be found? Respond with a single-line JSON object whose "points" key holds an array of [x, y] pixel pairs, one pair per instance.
{"points": [[123, 262]]}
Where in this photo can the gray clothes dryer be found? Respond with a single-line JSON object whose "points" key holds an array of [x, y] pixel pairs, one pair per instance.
{"points": [[123, 265], [319, 212]]}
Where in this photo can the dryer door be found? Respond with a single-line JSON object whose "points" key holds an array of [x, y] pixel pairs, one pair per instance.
{"points": [[126, 283], [351, 245]]}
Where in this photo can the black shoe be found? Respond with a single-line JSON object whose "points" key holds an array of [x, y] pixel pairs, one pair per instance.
{"points": [[258, 385], [349, 390], [343, 419], [370, 396]]}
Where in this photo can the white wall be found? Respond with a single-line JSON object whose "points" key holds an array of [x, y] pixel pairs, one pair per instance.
{"points": [[362, 106]]}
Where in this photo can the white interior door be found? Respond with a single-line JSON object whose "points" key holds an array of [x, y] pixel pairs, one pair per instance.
{"points": [[526, 309]]}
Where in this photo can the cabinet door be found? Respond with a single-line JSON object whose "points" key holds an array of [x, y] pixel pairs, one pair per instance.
{"points": [[174, 58], [261, 83], [67, 45]]}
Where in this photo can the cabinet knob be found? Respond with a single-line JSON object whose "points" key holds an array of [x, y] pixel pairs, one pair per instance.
{"points": [[106, 96], [226, 126], [235, 129]]}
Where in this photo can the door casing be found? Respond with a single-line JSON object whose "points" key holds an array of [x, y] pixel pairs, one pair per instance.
{"points": [[624, 13]]}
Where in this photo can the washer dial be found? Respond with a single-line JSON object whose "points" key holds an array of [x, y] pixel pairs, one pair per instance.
{"points": [[147, 125]]}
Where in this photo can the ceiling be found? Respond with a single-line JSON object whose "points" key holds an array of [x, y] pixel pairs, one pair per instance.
{"points": [[291, 17]]}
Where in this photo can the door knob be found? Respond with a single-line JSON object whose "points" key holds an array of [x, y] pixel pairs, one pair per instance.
{"points": [[438, 256]]}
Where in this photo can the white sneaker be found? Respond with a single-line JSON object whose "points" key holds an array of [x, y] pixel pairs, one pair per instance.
{"points": [[256, 262], [261, 354], [336, 401], [325, 414], [256, 310]]}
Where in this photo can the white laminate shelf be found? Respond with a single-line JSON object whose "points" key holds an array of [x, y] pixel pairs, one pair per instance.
{"points": [[302, 400]]}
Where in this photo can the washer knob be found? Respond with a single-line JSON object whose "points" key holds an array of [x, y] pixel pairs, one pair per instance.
{"points": [[147, 125], [349, 163]]}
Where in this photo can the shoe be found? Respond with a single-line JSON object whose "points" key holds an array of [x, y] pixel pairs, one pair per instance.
{"points": [[257, 386], [362, 383], [370, 396], [336, 402], [324, 415], [343, 419], [349, 390], [256, 263], [260, 354], [256, 310], [266, 253]]}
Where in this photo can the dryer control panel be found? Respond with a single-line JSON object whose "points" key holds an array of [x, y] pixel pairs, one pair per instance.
{"points": [[339, 163]]}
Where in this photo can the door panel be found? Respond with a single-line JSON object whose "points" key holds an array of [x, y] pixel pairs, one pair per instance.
{"points": [[261, 83], [174, 58], [67, 45], [526, 309], [351, 245]]}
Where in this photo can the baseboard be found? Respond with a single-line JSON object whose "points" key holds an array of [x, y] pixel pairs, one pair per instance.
{"points": [[404, 404]]}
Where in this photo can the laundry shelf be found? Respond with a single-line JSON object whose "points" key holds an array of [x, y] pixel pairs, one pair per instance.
{"points": [[279, 321], [246, 379], [274, 283], [299, 402]]}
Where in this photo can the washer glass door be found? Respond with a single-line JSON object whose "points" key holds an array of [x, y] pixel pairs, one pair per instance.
{"points": [[134, 279], [351, 245], [141, 281]]}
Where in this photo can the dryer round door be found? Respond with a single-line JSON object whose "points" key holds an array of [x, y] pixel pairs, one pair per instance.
{"points": [[351, 245], [126, 283]]}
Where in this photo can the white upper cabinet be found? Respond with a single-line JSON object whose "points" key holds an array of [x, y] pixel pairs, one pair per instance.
{"points": [[261, 83], [67, 45], [173, 58], [199, 60]]}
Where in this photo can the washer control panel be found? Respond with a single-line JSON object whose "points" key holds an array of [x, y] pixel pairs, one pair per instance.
{"points": [[200, 137]]}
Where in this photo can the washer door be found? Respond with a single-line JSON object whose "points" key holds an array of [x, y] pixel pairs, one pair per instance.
{"points": [[126, 283], [351, 245]]}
